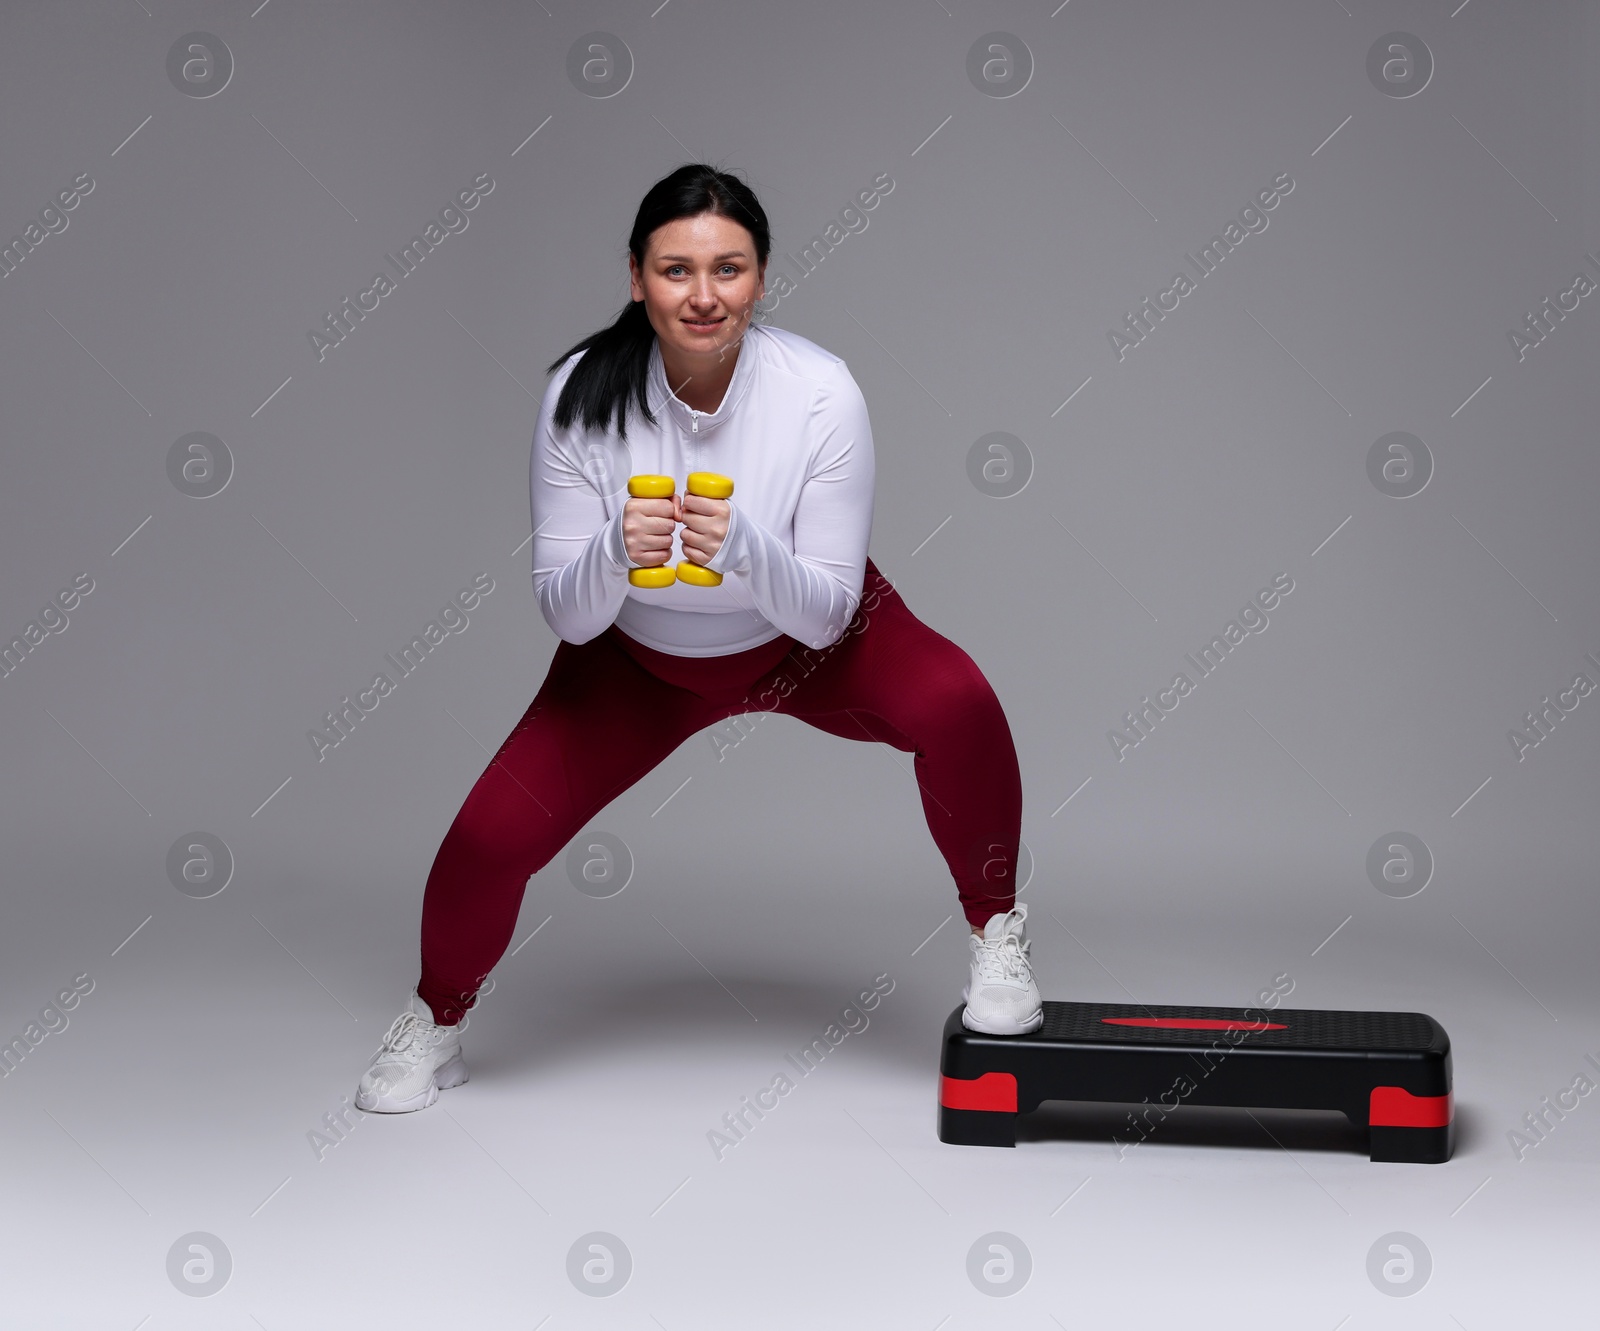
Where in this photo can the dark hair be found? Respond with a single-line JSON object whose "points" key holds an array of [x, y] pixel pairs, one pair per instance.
{"points": [[617, 359]]}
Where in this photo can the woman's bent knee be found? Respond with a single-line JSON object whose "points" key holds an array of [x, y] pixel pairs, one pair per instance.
{"points": [[501, 824]]}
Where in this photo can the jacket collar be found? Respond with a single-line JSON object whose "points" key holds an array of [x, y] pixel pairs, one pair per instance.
{"points": [[662, 398]]}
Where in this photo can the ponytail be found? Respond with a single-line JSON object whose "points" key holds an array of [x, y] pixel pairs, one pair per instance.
{"points": [[615, 367]]}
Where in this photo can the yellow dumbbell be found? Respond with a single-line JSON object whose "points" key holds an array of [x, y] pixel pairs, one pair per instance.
{"points": [[708, 485], [652, 487]]}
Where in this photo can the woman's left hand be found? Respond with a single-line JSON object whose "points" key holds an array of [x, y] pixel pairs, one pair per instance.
{"points": [[705, 526]]}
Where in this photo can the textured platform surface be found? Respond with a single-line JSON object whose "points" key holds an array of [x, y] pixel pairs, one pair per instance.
{"points": [[1309, 1029]]}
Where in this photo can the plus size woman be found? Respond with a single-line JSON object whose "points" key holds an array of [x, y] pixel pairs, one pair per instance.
{"points": [[802, 623]]}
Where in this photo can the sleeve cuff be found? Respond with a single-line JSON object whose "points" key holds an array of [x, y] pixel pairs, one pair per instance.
{"points": [[719, 562], [616, 550]]}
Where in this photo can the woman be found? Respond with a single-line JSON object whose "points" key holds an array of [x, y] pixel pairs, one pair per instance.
{"points": [[802, 624]]}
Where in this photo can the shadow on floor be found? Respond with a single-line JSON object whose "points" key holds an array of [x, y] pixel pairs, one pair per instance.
{"points": [[752, 1014]]}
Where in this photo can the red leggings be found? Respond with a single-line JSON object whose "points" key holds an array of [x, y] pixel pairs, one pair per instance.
{"points": [[611, 709]]}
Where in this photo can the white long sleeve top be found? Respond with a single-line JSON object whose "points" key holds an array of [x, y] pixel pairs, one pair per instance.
{"points": [[791, 432]]}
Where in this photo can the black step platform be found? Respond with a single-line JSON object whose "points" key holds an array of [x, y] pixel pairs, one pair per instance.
{"points": [[1386, 1071]]}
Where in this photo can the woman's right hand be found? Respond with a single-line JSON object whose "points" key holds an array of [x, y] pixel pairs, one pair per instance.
{"points": [[647, 527]]}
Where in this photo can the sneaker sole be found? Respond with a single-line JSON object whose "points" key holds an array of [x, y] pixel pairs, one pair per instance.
{"points": [[1003, 1027], [451, 1074]]}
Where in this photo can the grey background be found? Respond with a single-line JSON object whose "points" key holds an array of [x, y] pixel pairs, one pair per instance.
{"points": [[1227, 848]]}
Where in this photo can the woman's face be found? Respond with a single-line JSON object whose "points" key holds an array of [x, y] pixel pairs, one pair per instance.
{"points": [[699, 284]]}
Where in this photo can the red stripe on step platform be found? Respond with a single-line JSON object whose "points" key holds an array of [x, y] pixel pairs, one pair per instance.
{"points": [[1194, 1024], [1392, 1107], [994, 1091]]}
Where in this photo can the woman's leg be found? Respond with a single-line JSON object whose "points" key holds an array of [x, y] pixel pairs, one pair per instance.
{"points": [[892, 678], [599, 722]]}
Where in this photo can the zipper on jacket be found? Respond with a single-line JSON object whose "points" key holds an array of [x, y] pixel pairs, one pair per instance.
{"points": [[694, 422]]}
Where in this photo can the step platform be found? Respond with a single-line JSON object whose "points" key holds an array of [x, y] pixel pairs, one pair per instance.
{"points": [[1385, 1071]]}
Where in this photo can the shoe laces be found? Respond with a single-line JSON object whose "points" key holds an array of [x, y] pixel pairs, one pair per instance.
{"points": [[404, 1033], [1003, 958]]}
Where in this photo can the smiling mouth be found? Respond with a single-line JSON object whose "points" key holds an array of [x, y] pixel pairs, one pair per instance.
{"points": [[704, 323]]}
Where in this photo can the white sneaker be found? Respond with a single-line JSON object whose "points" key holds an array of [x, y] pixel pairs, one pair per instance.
{"points": [[417, 1060], [1002, 998]]}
